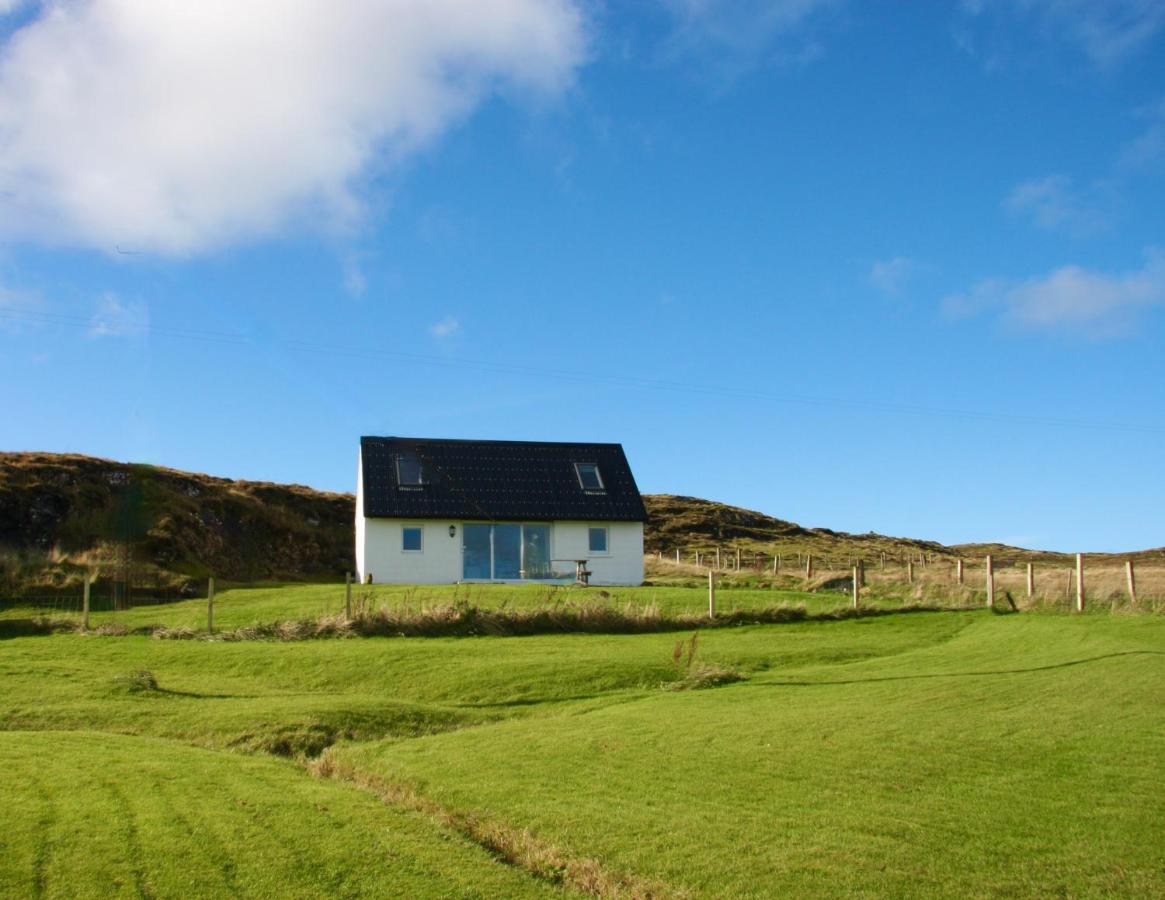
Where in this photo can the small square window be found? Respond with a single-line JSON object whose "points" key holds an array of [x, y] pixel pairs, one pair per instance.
{"points": [[411, 538], [409, 471], [597, 540], [589, 477]]}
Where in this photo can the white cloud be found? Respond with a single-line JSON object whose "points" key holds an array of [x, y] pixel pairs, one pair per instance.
{"points": [[355, 281], [1055, 204], [1107, 32], [179, 127], [891, 275], [738, 34], [1069, 298], [116, 319], [446, 328]]}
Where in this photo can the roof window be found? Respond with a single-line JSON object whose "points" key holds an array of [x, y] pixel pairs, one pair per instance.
{"points": [[588, 476], [409, 471]]}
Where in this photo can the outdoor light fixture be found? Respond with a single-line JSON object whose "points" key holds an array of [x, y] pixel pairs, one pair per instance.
{"points": [[452, 530]]}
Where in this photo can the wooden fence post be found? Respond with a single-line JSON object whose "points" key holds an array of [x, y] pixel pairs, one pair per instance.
{"points": [[85, 601], [959, 570], [857, 586], [677, 556], [717, 557], [697, 557], [1132, 581], [711, 594], [210, 604], [808, 566], [348, 596], [1079, 582], [1031, 580], [990, 581], [737, 559], [910, 571]]}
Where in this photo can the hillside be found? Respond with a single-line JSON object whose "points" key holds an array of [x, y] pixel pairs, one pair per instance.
{"points": [[60, 513], [63, 513]]}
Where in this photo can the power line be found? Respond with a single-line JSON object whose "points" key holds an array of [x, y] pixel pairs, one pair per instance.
{"points": [[616, 380]]}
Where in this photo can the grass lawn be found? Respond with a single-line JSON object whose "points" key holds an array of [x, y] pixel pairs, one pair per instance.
{"points": [[97, 815], [245, 606], [921, 754]]}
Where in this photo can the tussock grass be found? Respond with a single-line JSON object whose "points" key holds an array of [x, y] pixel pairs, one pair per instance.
{"points": [[463, 620], [139, 681]]}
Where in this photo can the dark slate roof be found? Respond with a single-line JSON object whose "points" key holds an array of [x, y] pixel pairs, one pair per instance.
{"points": [[498, 481]]}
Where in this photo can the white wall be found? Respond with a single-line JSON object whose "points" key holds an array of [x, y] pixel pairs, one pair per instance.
{"points": [[623, 564], [379, 541]]}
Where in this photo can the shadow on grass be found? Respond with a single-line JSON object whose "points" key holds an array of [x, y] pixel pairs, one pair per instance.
{"points": [[986, 674]]}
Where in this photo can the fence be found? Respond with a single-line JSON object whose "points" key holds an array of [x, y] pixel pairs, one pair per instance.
{"points": [[1073, 581]]}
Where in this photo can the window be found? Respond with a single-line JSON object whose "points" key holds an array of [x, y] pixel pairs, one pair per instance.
{"points": [[589, 477], [411, 538], [597, 540], [505, 552], [410, 474]]}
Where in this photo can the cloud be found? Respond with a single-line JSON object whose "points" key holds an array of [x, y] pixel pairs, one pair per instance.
{"points": [[1148, 148], [355, 281], [1107, 32], [1055, 204], [446, 328], [178, 127], [736, 35], [891, 275], [1070, 298], [116, 319]]}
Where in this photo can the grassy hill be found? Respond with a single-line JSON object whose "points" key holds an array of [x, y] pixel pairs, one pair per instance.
{"points": [[936, 754], [63, 514]]}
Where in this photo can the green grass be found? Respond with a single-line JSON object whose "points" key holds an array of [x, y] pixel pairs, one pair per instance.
{"points": [[244, 606], [929, 754], [94, 815], [1013, 756]]}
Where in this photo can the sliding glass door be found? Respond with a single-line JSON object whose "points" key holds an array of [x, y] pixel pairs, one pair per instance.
{"points": [[476, 551], [505, 552]]}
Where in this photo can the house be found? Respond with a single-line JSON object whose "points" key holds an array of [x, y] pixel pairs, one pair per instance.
{"points": [[433, 511]]}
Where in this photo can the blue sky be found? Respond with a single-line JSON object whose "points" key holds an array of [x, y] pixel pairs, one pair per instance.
{"points": [[880, 267]]}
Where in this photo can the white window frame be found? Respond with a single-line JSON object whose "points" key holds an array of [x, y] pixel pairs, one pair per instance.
{"points": [[403, 529], [602, 488], [607, 531]]}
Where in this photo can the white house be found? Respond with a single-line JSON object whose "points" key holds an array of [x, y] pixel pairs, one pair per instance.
{"points": [[432, 511]]}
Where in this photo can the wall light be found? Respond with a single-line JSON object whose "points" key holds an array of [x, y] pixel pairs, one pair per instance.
{"points": [[452, 530]]}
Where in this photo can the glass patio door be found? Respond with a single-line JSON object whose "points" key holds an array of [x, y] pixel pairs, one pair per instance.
{"points": [[475, 552], [507, 551]]}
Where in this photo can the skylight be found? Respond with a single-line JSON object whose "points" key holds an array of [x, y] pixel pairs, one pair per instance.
{"points": [[409, 471], [589, 477]]}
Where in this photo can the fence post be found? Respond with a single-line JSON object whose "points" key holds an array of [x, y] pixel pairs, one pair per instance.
{"points": [[737, 559], [808, 566], [348, 596], [910, 571], [1031, 580], [857, 587], [717, 557], [990, 581], [1079, 582], [711, 594], [862, 572], [1132, 581], [85, 601], [959, 570], [697, 557], [776, 563], [210, 604]]}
